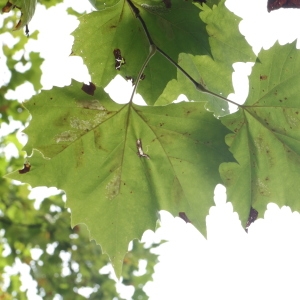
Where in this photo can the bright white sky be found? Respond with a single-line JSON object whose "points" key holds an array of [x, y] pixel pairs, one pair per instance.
{"points": [[229, 264]]}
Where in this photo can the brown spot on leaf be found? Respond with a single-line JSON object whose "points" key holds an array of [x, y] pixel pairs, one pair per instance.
{"points": [[143, 76], [276, 4], [129, 78], [263, 77], [119, 60], [252, 217], [89, 88], [167, 3], [7, 8], [76, 229], [184, 217], [26, 168]]}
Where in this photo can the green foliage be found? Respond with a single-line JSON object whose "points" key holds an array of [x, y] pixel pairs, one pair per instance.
{"points": [[227, 46], [25, 228], [120, 164], [49, 3], [27, 8], [103, 137], [108, 29], [265, 139], [9, 108]]}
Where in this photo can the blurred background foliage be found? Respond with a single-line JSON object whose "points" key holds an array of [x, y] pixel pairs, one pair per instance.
{"points": [[61, 260]]}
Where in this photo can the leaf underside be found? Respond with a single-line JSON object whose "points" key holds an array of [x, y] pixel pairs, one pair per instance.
{"points": [[86, 146], [266, 136]]}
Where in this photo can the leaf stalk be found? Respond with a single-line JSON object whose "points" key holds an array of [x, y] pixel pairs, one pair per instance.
{"points": [[152, 51]]}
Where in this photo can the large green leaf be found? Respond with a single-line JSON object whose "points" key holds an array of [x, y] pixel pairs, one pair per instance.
{"points": [[88, 148], [175, 30], [227, 46], [266, 138]]}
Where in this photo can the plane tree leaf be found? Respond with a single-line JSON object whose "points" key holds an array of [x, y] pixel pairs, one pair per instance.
{"points": [[266, 136], [214, 72], [100, 33], [176, 29], [87, 146]]}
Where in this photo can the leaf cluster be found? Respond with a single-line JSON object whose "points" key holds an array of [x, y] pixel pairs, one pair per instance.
{"points": [[120, 164]]}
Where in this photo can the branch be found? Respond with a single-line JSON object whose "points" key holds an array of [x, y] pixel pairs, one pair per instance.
{"points": [[152, 47], [136, 12], [152, 51], [197, 85]]}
